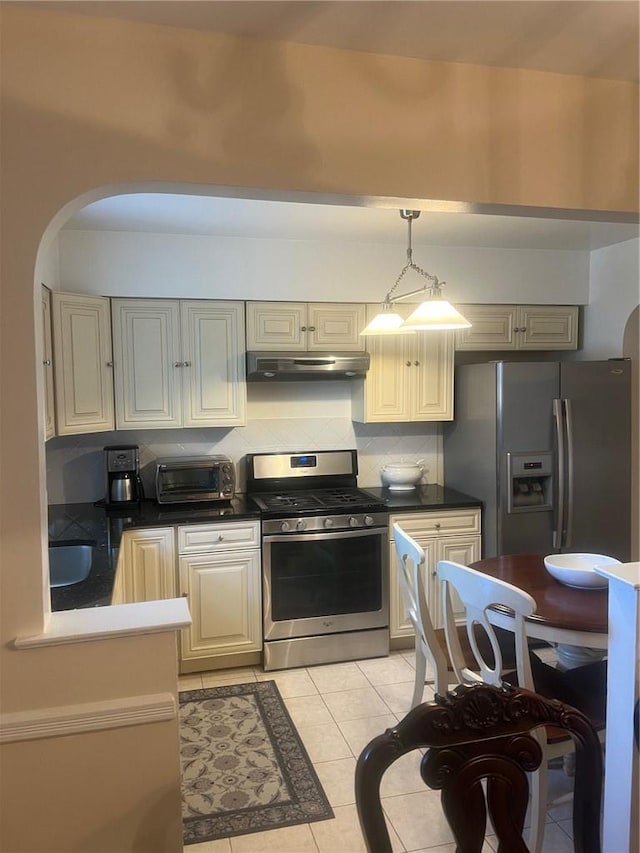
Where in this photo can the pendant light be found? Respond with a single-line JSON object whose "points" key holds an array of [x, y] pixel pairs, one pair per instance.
{"points": [[435, 313]]}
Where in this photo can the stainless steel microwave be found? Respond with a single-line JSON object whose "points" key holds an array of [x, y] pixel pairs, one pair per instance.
{"points": [[190, 479]]}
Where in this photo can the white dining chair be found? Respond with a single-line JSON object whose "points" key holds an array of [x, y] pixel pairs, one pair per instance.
{"points": [[411, 557], [478, 593]]}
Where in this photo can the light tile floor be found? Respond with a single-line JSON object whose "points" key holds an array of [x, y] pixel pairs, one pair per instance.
{"points": [[337, 710]]}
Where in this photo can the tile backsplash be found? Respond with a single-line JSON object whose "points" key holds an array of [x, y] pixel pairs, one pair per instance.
{"points": [[75, 464]]}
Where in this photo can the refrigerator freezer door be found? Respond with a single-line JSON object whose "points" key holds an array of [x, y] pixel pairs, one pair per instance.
{"points": [[526, 391], [598, 482]]}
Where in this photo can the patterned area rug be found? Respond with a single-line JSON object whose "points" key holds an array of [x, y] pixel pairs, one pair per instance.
{"points": [[244, 768]]}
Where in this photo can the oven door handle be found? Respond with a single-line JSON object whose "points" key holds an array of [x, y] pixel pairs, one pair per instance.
{"points": [[325, 534]]}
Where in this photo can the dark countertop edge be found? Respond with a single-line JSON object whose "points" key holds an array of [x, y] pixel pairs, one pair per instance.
{"points": [[430, 497]]}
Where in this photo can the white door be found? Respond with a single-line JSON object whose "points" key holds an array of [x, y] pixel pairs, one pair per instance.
{"points": [[224, 597], [148, 363], [83, 363], [273, 326], [431, 397], [335, 327], [213, 372], [147, 564], [47, 365], [548, 327]]}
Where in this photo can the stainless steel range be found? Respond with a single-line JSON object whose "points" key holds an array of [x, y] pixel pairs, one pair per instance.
{"points": [[324, 559]]}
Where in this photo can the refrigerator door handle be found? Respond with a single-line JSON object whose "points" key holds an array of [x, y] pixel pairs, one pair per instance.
{"points": [[560, 473], [568, 418]]}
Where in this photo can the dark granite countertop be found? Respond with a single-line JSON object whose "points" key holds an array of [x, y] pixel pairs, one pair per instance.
{"points": [[91, 522], [88, 521], [423, 498]]}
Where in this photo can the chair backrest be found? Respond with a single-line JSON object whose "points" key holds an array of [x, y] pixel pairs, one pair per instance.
{"points": [[478, 593], [411, 558], [474, 733]]}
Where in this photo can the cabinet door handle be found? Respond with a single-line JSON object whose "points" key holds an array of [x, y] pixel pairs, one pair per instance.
{"points": [[408, 364], [220, 538], [417, 363], [523, 328], [178, 364], [186, 364], [109, 364], [303, 328], [47, 362], [438, 525], [517, 329], [312, 328]]}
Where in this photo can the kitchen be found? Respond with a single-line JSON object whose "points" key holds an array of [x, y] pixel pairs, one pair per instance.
{"points": [[63, 145], [104, 246]]}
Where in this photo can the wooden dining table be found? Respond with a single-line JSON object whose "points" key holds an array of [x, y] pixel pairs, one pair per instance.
{"points": [[572, 618]]}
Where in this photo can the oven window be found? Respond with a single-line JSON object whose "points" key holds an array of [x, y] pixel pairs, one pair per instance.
{"points": [[180, 480], [326, 576]]}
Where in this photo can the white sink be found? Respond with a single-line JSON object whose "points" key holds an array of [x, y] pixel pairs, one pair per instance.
{"points": [[69, 564]]}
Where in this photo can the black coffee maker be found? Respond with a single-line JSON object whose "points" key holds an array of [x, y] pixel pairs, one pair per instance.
{"points": [[122, 467]]}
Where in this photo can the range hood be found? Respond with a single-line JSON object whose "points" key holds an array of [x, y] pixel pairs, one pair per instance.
{"points": [[289, 366]]}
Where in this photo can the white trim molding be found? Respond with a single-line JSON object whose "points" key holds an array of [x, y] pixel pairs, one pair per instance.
{"points": [[89, 717], [105, 623]]}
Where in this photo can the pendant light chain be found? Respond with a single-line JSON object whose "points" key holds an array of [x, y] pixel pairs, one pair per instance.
{"points": [[435, 288]]}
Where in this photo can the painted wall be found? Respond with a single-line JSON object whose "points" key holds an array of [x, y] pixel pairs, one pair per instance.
{"points": [[614, 282], [109, 263], [90, 103]]}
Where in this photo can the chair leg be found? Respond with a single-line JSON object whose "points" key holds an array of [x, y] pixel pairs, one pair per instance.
{"points": [[421, 673], [539, 798]]}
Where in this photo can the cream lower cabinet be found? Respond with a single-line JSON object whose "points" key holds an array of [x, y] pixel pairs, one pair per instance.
{"points": [[453, 534], [301, 326], [83, 363], [146, 568], [178, 363], [410, 377], [220, 573], [519, 327]]}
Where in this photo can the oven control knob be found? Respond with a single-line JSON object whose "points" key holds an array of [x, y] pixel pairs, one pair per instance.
{"points": [[353, 522], [368, 520], [328, 522], [301, 524], [285, 527]]}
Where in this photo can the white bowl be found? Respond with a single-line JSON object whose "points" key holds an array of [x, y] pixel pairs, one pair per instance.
{"points": [[401, 476], [577, 570]]}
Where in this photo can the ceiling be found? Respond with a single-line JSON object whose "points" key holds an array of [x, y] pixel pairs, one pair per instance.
{"points": [[573, 37], [451, 225], [587, 37]]}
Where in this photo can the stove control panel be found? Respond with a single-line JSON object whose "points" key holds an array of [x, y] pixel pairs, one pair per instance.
{"points": [[328, 524]]}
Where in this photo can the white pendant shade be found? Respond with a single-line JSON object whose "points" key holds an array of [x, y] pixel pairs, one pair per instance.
{"points": [[436, 314], [385, 323]]}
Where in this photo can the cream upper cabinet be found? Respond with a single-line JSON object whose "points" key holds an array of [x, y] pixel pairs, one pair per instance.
{"points": [[519, 327], [47, 364], [453, 534], [83, 363], [146, 568], [305, 327], [178, 363], [410, 377]]}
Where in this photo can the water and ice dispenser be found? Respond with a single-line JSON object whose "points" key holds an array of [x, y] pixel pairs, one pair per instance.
{"points": [[529, 481]]}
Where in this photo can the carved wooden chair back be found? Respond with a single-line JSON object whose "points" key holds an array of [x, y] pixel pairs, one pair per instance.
{"points": [[411, 559], [479, 751]]}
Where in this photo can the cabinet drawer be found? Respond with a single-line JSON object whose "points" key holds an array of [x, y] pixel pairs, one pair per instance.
{"points": [[451, 522], [204, 538]]}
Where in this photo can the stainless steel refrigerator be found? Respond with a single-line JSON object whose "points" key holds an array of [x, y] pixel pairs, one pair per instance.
{"points": [[546, 447]]}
